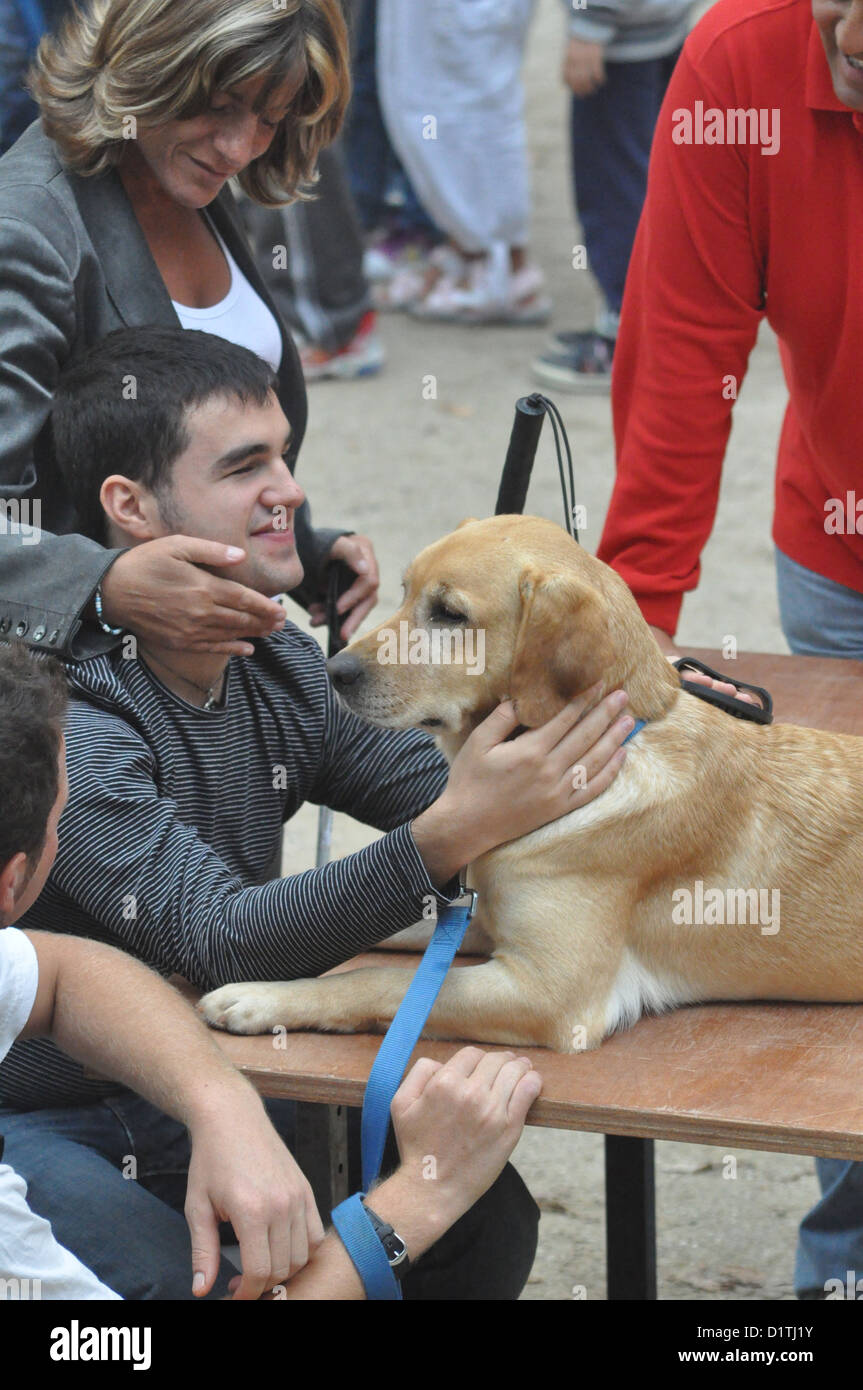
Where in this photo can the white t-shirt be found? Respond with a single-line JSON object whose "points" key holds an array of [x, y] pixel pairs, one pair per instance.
{"points": [[242, 316], [33, 1265]]}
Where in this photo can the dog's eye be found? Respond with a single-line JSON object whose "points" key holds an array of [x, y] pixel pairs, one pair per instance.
{"points": [[441, 614]]}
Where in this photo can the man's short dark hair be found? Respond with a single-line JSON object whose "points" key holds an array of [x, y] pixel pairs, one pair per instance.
{"points": [[122, 407], [32, 706]]}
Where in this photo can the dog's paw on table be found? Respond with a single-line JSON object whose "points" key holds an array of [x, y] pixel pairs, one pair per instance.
{"points": [[256, 1008]]}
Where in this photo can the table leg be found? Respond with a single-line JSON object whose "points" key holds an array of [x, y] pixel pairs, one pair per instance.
{"points": [[630, 1218], [322, 1152]]}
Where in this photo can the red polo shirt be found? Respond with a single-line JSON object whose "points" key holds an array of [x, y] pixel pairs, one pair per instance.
{"points": [[729, 234]]}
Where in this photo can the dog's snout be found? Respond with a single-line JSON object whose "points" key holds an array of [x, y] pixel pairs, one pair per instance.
{"points": [[344, 669]]}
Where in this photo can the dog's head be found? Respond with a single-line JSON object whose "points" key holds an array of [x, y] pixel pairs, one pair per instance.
{"points": [[508, 607]]}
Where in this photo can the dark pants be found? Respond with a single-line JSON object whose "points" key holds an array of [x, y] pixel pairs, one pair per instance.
{"points": [[374, 170], [611, 135], [111, 1179]]}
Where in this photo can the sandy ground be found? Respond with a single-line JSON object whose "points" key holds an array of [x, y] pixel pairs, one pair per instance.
{"points": [[405, 470]]}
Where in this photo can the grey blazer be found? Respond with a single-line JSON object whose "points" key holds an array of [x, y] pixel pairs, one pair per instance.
{"points": [[74, 265]]}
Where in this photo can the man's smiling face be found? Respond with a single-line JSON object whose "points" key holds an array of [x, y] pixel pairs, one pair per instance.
{"points": [[232, 484], [840, 24]]}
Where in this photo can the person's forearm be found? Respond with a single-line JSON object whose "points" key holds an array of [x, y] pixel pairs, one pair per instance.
{"points": [[291, 928], [415, 1213], [122, 1020]]}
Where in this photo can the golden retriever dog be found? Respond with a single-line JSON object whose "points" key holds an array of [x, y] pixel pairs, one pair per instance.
{"points": [[724, 862]]}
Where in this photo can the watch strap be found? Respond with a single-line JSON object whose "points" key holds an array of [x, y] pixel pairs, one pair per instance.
{"points": [[396, 1250], [359, 1237]]}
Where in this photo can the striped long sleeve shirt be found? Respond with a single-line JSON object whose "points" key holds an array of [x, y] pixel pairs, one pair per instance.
{"points": [[173, 826]]}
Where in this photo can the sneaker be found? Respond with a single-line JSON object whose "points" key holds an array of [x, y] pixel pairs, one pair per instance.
{"points": [[606, 324], [584, 365], [363, 356]]}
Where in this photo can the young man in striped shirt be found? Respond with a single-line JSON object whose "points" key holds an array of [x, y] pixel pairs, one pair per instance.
{"points": [[183, 769], [99, 1005]]}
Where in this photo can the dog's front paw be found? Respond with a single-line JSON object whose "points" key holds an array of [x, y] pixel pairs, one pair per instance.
{"points": [[255, 1008]]}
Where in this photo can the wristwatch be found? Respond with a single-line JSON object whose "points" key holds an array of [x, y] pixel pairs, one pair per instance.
{"points": [[394, 1246]]}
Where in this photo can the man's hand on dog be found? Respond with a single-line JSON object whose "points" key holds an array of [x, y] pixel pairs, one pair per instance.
{"points": [[498, 790]]}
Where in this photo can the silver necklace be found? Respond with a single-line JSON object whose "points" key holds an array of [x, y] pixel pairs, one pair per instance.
{"points": [[210, 692]]}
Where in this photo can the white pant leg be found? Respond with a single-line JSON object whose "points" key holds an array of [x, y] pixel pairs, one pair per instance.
{"points": [[450, 89]]}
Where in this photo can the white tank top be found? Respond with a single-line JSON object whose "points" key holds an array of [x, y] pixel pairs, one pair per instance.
{"points": [[241, 317]]}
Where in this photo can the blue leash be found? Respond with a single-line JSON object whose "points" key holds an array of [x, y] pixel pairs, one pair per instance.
{"points": [[369, 1258], [404, 1033], [349, 1217]]}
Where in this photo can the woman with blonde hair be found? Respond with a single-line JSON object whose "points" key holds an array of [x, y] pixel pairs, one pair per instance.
{"points": [[115, 210]]}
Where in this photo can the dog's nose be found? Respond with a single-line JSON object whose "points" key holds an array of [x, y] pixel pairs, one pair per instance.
{"points": [[344, 669]]}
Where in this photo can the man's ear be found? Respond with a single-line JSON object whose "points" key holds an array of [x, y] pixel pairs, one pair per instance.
{"points": [[563, 646], [13, 881], [129, 506]]}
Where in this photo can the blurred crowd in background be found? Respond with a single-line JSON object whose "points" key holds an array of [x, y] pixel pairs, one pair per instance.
{"points": [[423, 205]]}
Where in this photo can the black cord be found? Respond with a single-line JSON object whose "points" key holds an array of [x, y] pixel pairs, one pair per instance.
{"points": [[559, 429]]}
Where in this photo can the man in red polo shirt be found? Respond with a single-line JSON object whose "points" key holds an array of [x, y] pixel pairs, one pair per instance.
{"points": [[754, 209]]}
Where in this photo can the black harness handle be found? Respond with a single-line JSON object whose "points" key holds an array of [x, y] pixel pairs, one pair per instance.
{"points": [[741, 709], [339, 580], [530, 411]]}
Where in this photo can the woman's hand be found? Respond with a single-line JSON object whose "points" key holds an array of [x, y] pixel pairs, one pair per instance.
{"points": [[357, 552], [160, 592]]}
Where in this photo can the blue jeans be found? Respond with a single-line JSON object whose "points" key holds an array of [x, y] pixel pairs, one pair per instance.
{"points": [[80, 1164], [611, 134], [17, 109], [822, 618], [124, 1220], [372, 165]]}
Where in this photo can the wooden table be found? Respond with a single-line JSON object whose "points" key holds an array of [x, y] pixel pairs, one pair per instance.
{"points": [[782, 1077]]}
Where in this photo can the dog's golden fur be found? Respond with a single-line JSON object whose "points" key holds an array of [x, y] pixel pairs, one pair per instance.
{"points": [[580, 914]]}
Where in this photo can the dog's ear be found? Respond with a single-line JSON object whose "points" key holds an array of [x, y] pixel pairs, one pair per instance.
{"points": [[468, 521], [562, 647]]}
